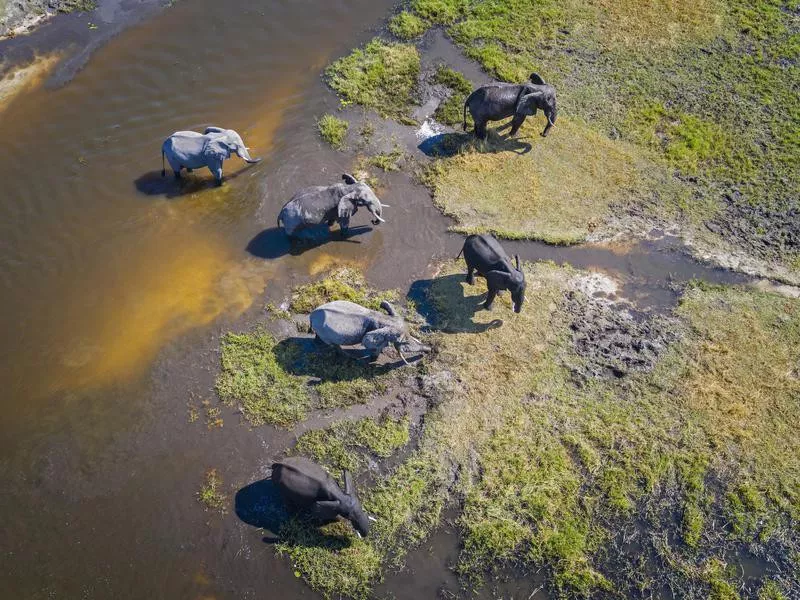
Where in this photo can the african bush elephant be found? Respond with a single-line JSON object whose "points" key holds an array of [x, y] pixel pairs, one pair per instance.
{"points": [[498, 101], [306, 488], [343, 323], [484, 254], [192, 150], [313, 206]]}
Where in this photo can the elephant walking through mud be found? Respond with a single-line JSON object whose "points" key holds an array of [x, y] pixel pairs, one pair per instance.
{"points": [[498, 101], [191, 150]]}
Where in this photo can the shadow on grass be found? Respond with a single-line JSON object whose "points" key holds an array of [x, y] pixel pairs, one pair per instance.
{"points": [[153, 184], [259, 504], [307, 358], [445, 145], [273, 243], [443, 303]]}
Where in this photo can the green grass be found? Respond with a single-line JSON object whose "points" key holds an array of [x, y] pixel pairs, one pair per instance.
{"points": [[211, 494], [407, 26], [451, 110], [333, 130], [381, 76], [549, 469], [387, 161], [344, 445], [341, 284]]}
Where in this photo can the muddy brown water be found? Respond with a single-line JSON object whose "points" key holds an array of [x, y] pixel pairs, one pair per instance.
{"points": [[116, 284]]}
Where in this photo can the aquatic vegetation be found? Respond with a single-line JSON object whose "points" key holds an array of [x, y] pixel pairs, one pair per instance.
{"points": [[211, 494], [387, 161], [381, 76], [333, 130], [407, 26], [341, 445]]}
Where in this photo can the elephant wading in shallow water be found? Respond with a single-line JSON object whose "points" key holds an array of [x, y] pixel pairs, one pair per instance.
{"points": [[342, 323], [191, 150], [498, 101], [484, 254], [306, 488], [315, 206]]}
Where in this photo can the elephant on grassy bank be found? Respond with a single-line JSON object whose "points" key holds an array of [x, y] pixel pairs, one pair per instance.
{"points": [[306, 488], [191, 150], [343, 323], [314, 206], [484, 254], [498, 101]]}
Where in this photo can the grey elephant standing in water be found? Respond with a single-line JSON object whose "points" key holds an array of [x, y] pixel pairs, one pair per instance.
{"points": [[343, 323], [191, 150], [314, 206], [498, 101], [306, 487]]}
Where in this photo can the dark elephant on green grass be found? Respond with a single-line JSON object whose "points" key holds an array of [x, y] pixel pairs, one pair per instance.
{"points": [[498, 101]]}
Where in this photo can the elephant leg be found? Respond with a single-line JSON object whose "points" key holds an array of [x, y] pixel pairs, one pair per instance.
{"points": [[490, 299], [480, 130], [344, 224], [470, 275], [216, 170], [516, 123]]}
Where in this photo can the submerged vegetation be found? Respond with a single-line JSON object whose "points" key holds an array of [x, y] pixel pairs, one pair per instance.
{"points": [[211, 494]]}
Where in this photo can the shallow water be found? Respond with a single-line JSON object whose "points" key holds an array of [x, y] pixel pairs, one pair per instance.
{"points": [[114, 284]]}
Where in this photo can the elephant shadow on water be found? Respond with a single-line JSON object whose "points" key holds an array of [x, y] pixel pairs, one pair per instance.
{"points": [[449, 144], [260, 504], [153, 183], [273, 242], [461, 310]]}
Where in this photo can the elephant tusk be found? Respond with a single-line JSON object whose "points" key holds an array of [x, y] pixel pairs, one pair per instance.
{"points": [[358, 534], [385, 206], [400, 352], [371, 518], [379, 219]]}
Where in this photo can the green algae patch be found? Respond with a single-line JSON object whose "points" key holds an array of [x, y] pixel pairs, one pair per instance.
{"points": [[559, 191], [381, 76], [333, 130], [344, 445], [210, 494]]}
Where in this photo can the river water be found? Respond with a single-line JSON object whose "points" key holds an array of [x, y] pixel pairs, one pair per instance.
{"points": [[116, 282]]}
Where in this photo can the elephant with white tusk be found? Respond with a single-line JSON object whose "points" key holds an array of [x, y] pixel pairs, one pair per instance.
{"points": [[484, 254], [498, 101], [343, 323], [191, 150], [305, 487], [314, 206]]}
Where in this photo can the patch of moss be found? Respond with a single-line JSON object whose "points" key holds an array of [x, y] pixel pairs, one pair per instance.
{"points": [[333, 130], [341, 284], [381, 76], [253, 377], [387, 161], [442, 12], [343, 444], [211, 494], [771, 591], [407, 26]]}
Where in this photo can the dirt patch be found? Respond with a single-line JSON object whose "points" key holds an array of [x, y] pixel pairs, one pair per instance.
{"points": [[21, 16]]}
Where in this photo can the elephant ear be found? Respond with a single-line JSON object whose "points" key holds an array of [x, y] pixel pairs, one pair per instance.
{"points": [[348, 483], [349, 179], [218, 148], [326, 510], [213, 129], [347, 206], [536, 79], [529, 102], [498, 280]]}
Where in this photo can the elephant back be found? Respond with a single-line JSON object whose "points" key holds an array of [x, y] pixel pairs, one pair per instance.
{"points": [[302, 482]]}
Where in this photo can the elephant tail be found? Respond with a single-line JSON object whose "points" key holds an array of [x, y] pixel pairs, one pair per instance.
{"points": [[163, 166], [464, 124], [460, 253]]}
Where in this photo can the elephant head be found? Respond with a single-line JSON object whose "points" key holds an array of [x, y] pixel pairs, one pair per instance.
{"points": [[361, 195], [223, 142], [513, 281], [539, 96], [347, 506]]}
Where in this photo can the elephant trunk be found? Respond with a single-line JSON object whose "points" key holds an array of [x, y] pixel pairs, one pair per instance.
{"points": [[551, 121], [245, 156]]}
